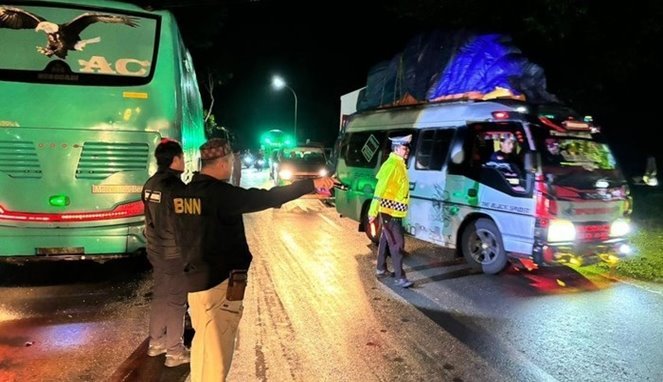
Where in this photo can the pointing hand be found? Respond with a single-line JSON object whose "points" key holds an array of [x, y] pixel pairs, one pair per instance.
{"points": [[324, 183]]}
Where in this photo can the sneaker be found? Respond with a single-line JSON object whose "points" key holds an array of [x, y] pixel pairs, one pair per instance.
{"points": [[380, 274], [155, 350], [404, 283], [173, 360]]}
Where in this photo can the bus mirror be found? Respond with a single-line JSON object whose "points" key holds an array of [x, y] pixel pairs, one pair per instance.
{"points": [[457, 154]]}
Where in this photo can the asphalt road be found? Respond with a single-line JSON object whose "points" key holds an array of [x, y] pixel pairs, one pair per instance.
{"points": [[315, 312]]}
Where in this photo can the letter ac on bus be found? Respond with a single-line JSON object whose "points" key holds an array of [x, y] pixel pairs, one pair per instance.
{"points": [[123, 66]]}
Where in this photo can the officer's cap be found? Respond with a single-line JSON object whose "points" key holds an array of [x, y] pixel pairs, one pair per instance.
{"points": [[401, 141], [215, 148], [508, 137]]}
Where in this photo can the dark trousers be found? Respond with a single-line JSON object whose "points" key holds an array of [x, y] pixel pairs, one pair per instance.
{"points": [[168, 304], [391, 238]]}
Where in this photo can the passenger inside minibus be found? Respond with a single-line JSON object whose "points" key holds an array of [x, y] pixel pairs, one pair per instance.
{"points": [[505, 159]]}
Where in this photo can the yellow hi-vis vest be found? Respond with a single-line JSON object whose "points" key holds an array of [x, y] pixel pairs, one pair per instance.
{"points": [[392, 192]]}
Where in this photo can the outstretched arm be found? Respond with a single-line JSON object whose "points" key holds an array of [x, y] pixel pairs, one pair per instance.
{"points": [[237, 200]]}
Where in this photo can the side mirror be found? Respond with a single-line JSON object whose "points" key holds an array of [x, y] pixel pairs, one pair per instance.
{"points": [[457, 154]]}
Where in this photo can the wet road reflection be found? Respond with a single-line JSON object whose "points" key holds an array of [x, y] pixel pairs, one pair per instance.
{"points": [[314, 311], [70, 321]]}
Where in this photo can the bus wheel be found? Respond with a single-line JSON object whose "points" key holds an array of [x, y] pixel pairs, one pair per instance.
{"points": [[373, 233], [483, 248]]}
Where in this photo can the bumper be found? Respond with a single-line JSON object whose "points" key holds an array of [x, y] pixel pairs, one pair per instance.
{"points": [[84, 243], [582, 254]]}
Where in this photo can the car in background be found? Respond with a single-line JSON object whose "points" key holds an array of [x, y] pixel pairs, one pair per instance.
{"points": [[299, 162]]}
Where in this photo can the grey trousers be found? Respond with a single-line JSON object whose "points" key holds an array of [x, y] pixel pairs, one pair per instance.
{"points": [[391, 237], [168, 304]]}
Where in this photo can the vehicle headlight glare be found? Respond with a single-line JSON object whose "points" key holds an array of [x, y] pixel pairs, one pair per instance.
{"points": [[625, 249], [323, 172], [285, 174], [561, 230], [620, 227]]}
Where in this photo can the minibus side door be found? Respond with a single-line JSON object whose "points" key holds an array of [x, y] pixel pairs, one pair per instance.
{"points": [[428, 210]]}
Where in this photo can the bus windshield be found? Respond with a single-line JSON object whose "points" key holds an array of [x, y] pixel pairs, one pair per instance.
{"points": [[76, 45], [304, 155], [579, 161], [275, 139]]}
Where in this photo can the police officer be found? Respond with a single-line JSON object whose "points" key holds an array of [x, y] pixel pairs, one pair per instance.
{"points": [[391, 199], [214, 247], [169, 291]]}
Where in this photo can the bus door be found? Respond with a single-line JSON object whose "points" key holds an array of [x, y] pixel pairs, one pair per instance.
{"points": [[492, 180], [429, 210], [496, 157]]}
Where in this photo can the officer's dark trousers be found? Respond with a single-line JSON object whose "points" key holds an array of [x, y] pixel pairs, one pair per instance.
{"points": [[168, 304], [391, 237]]}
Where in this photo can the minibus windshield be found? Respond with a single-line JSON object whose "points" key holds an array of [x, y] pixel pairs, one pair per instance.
{"points": [[578, 161]]}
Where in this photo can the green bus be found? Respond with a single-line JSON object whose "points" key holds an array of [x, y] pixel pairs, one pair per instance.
{"points": [[275, 139], [87, 91]]}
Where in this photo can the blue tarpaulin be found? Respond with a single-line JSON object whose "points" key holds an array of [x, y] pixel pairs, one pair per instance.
{"points": [[442, 65]]}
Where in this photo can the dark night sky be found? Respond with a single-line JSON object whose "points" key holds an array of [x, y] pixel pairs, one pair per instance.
{"points": [[598, 57]]}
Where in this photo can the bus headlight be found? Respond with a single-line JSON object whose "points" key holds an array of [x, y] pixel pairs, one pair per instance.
{"points": [[323, 172], [620, 227], [285, 174], [561, 230], [625, 249]]}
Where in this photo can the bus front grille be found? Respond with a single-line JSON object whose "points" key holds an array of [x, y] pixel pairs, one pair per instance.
{"points": [[18, 159], [99, 160]]}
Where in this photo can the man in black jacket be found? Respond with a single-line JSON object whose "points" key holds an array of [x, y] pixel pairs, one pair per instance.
{"points": [[214, 245], [169, 290]]}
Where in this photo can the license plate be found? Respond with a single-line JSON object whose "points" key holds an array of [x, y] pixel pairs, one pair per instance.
{"points": [[54, 251]]}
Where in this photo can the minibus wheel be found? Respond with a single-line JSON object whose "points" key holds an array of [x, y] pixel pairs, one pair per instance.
{"points": [[482, 246], [373, 235]]}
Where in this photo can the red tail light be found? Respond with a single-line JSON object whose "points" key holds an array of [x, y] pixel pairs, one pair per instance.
{"points": [[500, 115], [120, 212]]}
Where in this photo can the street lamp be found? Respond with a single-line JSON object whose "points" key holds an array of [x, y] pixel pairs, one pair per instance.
{"points": [[278, 83]]}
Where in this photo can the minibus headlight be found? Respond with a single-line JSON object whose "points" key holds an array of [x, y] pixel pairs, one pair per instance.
{"points": [[561, 230], [620, 227], [323, 172], [285, 174]]}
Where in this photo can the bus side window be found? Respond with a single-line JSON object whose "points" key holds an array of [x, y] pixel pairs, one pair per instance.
{"points": [[363, 149], [433, 149], [504, 160], [481, 152], [343, 144]]}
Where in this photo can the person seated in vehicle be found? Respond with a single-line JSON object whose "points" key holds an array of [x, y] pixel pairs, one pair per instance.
{"points": [[504, 160], [553, 155]]}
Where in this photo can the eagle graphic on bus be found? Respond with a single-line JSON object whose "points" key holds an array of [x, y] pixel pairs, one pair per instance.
{"points": [[61, 38]]}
